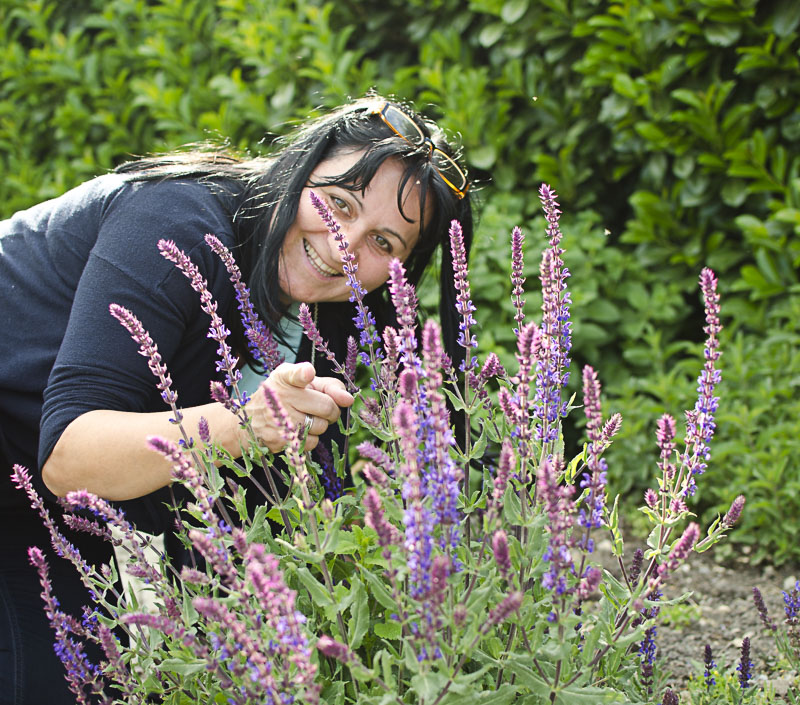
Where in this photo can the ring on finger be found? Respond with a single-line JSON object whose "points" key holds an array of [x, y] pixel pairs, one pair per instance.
{"points": [[307, 423]]}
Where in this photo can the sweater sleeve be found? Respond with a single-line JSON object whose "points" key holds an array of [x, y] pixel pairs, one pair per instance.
{"points": [[98, 365]]}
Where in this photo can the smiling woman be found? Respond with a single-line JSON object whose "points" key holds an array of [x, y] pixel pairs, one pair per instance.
{"points": [[77, 400], [378, 226]]}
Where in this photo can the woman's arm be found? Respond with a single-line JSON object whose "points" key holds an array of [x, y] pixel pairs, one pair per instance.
{"points": [[105, 452]]}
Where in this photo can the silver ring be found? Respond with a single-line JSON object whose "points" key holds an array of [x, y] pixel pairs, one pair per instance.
{"points": [[307, 424]]}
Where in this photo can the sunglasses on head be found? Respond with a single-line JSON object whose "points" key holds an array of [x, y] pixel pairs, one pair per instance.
{"points": [[403, 126]]}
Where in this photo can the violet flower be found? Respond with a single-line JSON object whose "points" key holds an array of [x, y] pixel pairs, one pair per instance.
{"points": [[364, 320], [227, 362], [708, 673], [81, 674], [745, 666], [553, 365], [375, 519], [441, 476], [404, 300], [591, 517], [700, 423], [680, 551], [500, 550], [559, 508], [517, 280], [464, 304], [149, 349], [260, 340], [734, 513], [763, 613]]}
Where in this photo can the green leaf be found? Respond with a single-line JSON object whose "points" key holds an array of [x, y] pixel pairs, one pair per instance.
{"points": [[183, 668], [316, 590], [785, 17], [513, 10], [379, 590], [388, 630], [359, 610], [491, 33]]}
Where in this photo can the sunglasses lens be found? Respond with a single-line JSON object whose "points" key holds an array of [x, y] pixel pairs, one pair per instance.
{"points": [[402, 125], [406, 128], [449, 170]]}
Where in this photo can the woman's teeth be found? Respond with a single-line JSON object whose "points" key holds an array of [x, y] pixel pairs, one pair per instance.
{"points": [[319, 265]]}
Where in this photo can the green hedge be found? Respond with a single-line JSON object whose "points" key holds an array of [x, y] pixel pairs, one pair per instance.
{"points": [[669, 128]]}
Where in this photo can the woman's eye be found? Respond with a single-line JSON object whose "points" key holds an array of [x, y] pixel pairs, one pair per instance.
{"points": [[383, 243], [340, 203]]}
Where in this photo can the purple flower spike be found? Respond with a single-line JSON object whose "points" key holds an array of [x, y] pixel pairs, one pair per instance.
{"points": [[500, 549], [700, 425], [552, 369], [364, 320], [260, 339], [763, 612], [595, 478], [680, 551], [227, 362], [517, 280], [404, 299], [464, 303], [335, 649], [510, 604], [375, 519], [149, 349], [734, 512], [745, 666]]}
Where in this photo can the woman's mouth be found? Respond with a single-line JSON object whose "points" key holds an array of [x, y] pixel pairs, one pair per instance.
{"points": [[317, 263]]}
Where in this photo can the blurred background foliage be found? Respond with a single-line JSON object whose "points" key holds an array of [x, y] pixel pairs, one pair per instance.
{"points": [[669, 128]]}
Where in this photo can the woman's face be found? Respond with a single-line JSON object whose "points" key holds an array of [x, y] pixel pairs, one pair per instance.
{"points": [[310, 268]]}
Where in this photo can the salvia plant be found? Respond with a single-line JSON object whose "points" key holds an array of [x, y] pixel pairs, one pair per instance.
{"points": [[457, 564]]}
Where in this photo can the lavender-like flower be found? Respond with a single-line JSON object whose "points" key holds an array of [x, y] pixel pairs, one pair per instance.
{"points": [[227, 362], [700, 423], [517, 280], [377, 455], [745, 666], [636, 566], [791, 604], [80, 672], [364, 320], [510, 604], [442, 476], [375, 519], [335, 650], [680, 551], [708, 673], [595, 479], [553, 364], [610, 430], [149, 349], [260, 339], [404, 299], [559, 508], [735, 511], [763, 613], [670, 698], [500, 550], [464, 304]]}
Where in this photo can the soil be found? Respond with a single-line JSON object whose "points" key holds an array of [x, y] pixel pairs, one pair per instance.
{"points": [[720, 612]]}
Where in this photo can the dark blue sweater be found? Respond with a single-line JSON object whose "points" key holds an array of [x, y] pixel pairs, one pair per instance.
{"points": [[62, 354]]}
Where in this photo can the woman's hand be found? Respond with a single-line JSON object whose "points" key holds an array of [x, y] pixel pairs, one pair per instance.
{"points": [[301, 394]]}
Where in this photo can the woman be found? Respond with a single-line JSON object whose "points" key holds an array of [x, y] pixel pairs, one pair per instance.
{"points": [[76, 399]]}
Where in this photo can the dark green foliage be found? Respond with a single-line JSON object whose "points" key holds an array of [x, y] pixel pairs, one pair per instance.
{"points": [[670, 126]]}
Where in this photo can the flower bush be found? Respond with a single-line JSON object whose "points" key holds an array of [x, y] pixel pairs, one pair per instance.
{"points": [[460, 564]]}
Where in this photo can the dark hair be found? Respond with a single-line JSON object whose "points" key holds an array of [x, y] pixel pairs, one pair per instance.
{"points": [[267, 191]]}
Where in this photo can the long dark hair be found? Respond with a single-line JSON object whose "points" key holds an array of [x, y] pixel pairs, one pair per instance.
{"points": [[265, 192]]}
